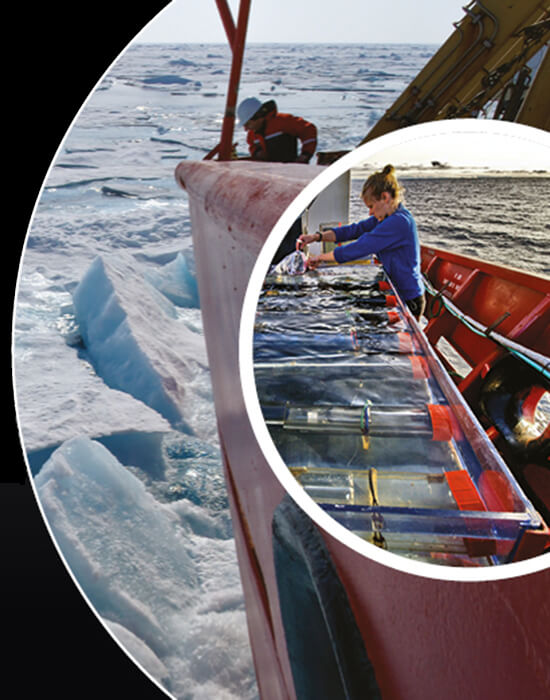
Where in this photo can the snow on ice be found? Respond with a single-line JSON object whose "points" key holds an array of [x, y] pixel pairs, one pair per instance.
{"points": [[55, 405]]}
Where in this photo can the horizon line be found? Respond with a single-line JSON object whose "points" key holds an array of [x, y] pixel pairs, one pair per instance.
{"points": [[299, 43]]}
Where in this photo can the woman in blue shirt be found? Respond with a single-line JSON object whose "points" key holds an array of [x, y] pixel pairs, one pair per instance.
{"points": [[389, 232]]}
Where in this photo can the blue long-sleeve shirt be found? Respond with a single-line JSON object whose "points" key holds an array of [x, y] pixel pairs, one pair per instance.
{"points": [[395, 242]]}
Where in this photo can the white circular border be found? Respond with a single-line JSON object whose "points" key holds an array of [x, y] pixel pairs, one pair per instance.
{"points": [[279, 468]]}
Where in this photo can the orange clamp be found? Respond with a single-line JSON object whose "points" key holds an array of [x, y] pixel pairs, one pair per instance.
{"points": [[464, 490], [496, 491], [393, 316]]}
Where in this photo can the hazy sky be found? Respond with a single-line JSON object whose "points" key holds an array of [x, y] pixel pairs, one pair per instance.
{"points": [[475, 143], [357, 21], [325, 21]]}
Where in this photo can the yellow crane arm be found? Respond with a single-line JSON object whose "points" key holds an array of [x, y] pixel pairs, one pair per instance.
{"points": [[492, 43], [535, 110]]}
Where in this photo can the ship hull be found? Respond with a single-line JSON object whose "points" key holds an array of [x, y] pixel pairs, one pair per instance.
{"points": [[409, 636]]}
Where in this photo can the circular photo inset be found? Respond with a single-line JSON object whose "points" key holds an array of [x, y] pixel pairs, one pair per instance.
{"points": [[395, 351]]}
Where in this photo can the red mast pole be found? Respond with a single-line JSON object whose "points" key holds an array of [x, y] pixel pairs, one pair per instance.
{"points": [[236, 36], [227, 19]]}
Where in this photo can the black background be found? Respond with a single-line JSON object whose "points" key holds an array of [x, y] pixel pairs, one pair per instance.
{"points": [[54, 645]]}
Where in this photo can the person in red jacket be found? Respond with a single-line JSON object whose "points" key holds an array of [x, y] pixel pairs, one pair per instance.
{"points": [[273, 136]]}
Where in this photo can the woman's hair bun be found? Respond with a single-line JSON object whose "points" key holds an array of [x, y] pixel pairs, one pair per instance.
{"points": [[383, 181]]}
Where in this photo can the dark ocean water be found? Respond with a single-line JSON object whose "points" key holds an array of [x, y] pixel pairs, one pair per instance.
{"points": [[499, 218]]}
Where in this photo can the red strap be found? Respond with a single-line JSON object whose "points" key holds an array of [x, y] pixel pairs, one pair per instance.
{"points": [[405, 343], [420, 367], [442, 425], [467, 498]]}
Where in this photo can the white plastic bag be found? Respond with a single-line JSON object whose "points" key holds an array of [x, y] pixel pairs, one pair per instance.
{"points": [[293, 264]]}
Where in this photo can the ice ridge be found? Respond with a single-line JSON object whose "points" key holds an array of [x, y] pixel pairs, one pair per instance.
{"points": [[136, 342], [177, 282]]}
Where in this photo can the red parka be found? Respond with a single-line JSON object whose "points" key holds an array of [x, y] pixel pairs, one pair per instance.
{"points": [[277, 142]]}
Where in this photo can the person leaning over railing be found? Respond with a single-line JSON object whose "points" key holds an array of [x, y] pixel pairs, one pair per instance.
{"points": [[390, 233], [273, 136]]}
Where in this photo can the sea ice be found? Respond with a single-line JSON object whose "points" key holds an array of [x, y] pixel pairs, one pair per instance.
{"points": [[167, 80], [137, 344], [118, 541], [57, 394], [103, 533], [169, 595], [177, 282]]}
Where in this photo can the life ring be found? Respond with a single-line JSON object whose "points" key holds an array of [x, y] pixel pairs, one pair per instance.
{"points": [[508, 400]]}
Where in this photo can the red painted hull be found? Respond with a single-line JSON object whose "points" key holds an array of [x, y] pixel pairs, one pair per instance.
{"points": [[487, 293], [426, 638]]}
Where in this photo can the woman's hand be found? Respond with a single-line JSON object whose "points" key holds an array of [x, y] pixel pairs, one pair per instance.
{"points": [[305, 239], [314, 261]]}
